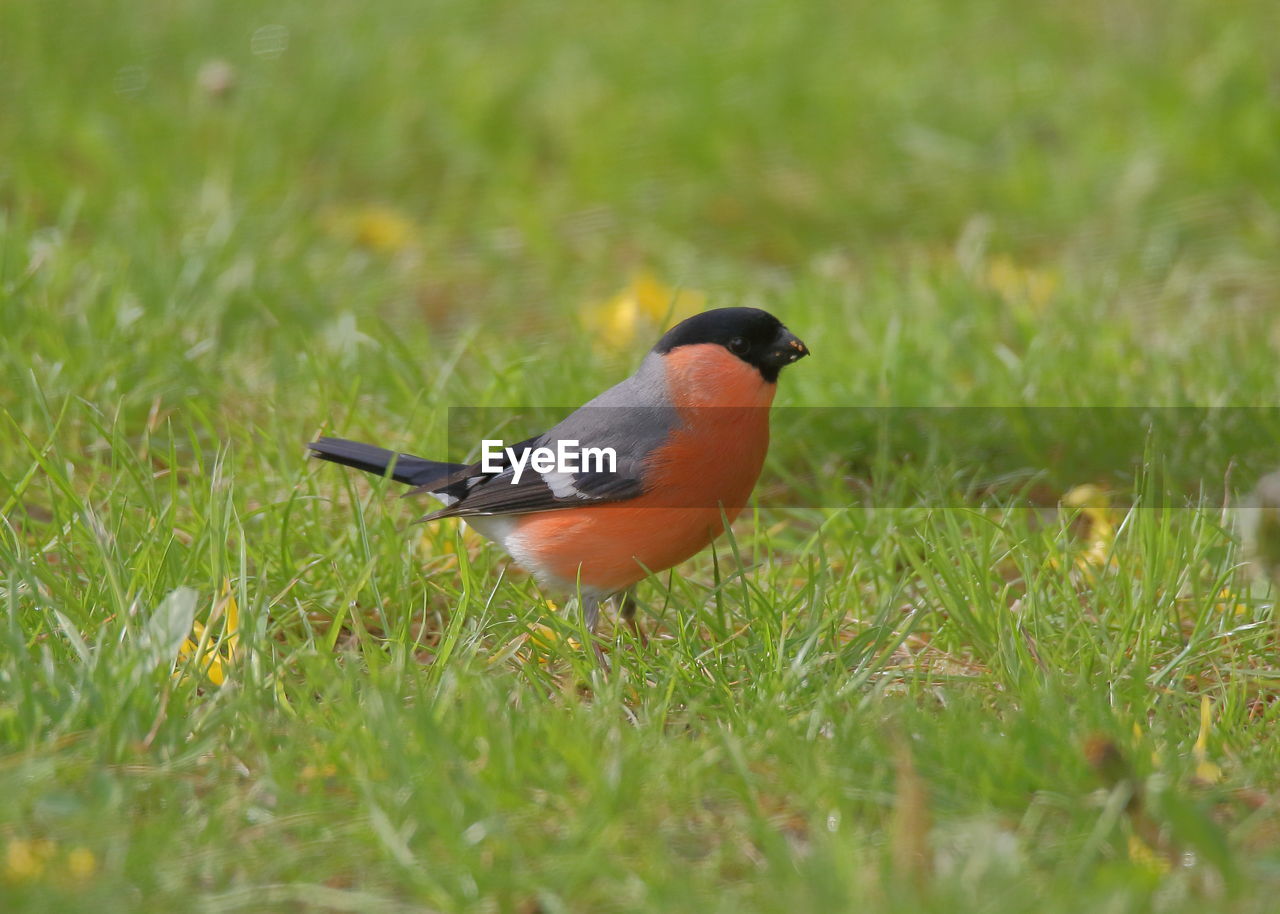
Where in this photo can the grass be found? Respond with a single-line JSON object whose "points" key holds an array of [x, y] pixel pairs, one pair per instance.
{"points": [[898, 687]]}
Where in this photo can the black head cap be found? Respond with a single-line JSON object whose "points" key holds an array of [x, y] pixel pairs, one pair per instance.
{"points": [[755, 336]]}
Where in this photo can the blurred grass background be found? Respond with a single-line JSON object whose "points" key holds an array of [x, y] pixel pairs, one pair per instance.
{"points": [[226, 226]]}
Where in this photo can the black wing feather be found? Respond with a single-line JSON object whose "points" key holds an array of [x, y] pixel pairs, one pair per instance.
{"points": [[414, 471], [480, 493]]}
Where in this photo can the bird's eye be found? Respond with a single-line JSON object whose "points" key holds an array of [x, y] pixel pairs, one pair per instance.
{"points": [[738, 346]]}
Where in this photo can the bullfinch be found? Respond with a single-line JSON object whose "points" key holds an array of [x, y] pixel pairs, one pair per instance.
{"points": [[687, 433]]}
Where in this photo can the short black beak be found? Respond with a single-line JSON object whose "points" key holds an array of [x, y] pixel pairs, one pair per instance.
{"points": [[788, 348]]}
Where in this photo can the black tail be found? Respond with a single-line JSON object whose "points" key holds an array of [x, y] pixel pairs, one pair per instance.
{"points": [[414, 471]]}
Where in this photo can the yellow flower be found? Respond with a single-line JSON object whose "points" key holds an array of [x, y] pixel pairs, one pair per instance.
{"points": [[645, 304], [214, 655]]}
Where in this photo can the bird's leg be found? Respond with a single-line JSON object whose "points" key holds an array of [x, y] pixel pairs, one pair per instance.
{"points": [[627, 608], [590, 615], [590, 611]]}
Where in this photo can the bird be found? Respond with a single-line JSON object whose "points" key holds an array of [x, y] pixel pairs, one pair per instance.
{"points": [[689, 432]]}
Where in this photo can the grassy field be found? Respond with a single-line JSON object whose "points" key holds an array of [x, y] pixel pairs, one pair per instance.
{"points": [[234, 679]]}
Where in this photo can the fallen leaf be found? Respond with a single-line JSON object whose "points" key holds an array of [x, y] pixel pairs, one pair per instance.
{"points": [[645, 305], [213, 656], [376, 227], [909, 848], [1206, 770]]}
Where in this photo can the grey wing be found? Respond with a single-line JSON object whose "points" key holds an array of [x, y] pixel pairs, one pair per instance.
{"points": [[613, 436]]}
